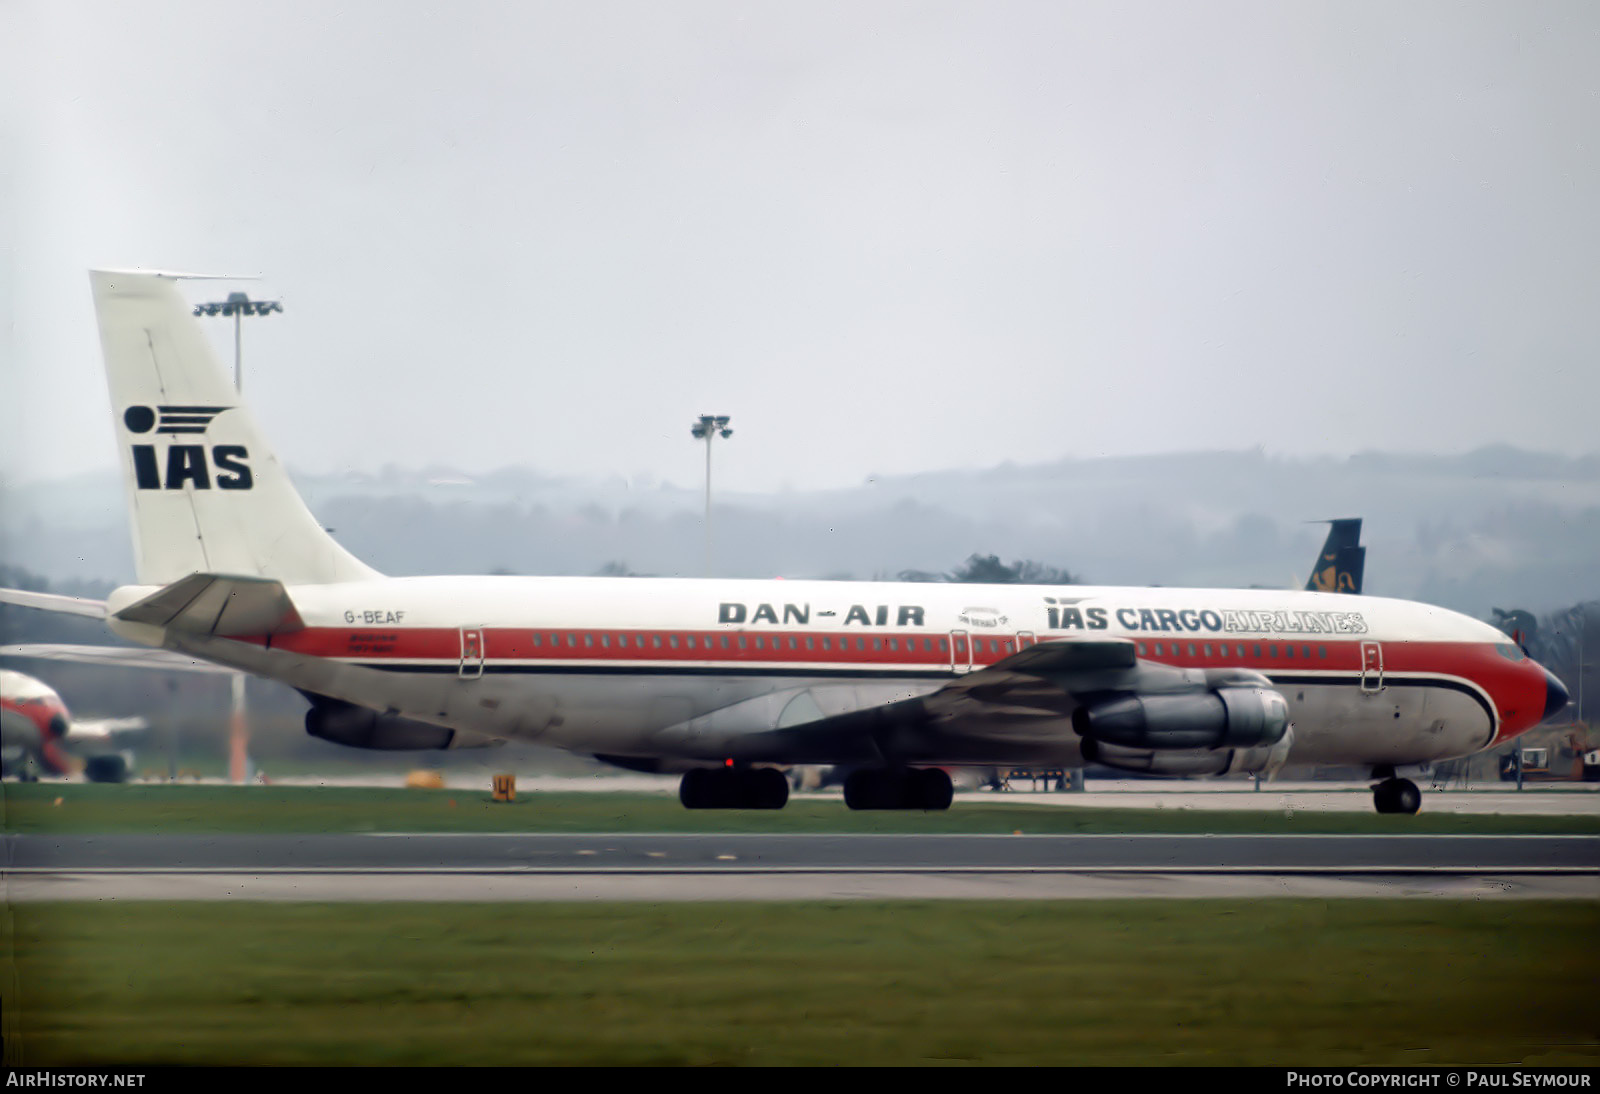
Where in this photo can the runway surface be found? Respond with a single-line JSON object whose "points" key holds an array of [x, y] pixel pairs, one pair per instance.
{"points": [[666, 887], [518, 852], [791, 867]]}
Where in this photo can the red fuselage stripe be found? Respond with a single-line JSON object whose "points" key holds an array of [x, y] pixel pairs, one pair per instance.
{"points": [[46, 716], [1517, 688]]}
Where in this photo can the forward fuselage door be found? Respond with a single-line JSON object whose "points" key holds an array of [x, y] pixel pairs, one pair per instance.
{"points": [[471, 653], [960, 652], [1371, 667]]}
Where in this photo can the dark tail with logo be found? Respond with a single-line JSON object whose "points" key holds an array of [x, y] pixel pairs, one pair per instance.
{"points": [[1341, 561]]}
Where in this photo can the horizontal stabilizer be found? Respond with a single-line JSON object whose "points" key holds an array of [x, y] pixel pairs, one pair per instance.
{"points": [[105, 731], [226, 606], [128, 657], [53, 602]]}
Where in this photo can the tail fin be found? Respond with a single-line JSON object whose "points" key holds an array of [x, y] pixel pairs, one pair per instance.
{"points": [[205, 492], [1341, 561]]}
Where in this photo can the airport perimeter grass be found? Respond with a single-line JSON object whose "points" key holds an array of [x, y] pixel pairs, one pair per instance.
{"points": [[96, 808], [1281, 982]]}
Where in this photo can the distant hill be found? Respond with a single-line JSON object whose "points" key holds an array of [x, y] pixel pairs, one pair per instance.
{"points": [[1490, 527]]}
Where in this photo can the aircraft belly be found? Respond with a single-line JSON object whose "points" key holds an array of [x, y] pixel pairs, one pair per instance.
{"points": [[710, 716], [1405, 722], [632, 715]]}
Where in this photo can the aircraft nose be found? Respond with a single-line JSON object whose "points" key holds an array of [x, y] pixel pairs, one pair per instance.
{"points": [[1555, 695]]}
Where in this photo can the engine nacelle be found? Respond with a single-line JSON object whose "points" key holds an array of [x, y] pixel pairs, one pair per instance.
{"points": [[362, 727], [1229, 717], [1147, 762], [1265, 760]]}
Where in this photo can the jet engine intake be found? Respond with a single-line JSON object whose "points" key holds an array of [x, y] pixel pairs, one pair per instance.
{"points": [[1229, 717]]}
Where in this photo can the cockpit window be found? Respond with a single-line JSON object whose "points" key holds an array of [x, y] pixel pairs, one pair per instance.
{"points": [[1511, 651]]}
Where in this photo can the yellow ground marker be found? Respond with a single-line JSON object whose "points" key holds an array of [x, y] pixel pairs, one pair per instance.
{"points": [[505, 788]]}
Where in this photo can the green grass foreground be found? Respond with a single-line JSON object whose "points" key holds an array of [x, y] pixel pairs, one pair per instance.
{"points": [[1098, 982], [92, 808]]}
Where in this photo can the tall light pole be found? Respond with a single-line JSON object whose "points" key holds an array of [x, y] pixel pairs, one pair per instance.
{"points": [[709, 426], [237, 306], [1583, 645]]}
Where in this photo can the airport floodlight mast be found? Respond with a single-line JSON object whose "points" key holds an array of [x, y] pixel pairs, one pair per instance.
{"points": [[709, 426], [237, 306]]}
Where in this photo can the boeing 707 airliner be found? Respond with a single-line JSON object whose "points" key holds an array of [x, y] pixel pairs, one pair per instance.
{"points": [[729, 681]]}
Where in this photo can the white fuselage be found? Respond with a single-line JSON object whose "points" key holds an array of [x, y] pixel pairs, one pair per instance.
{"points": [[685, 669]]}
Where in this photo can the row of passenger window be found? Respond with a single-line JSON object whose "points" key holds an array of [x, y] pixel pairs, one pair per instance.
{"points": [[1225, 649], [761, 642], [980, 646], [997, 646]]}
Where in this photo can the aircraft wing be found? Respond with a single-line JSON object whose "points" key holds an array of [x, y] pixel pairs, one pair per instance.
{"points": [[1039, 680], [134, 657], [1025, 697], [53, 602], [204, 603], [1055, 655], [1041, 670]]}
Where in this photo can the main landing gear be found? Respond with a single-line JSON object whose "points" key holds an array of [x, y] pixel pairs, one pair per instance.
{"points": [[1393, 795], [926, 788], [734, 788]]}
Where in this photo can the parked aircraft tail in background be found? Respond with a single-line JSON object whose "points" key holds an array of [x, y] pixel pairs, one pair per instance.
{"points": [[1341, 561]]}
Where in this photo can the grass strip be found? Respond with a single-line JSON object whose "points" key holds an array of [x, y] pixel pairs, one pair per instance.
{"points": [[1303, 982]]}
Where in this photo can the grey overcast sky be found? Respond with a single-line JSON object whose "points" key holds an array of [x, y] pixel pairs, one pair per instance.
{"points": [[884, 237]]}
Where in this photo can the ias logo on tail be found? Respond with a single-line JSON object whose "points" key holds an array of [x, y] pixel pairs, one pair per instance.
{"points": [[171, 419], [185, 465]]}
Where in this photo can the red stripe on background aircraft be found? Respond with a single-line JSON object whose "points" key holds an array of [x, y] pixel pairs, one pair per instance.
{"points": [[729, 680], [39, 736]]}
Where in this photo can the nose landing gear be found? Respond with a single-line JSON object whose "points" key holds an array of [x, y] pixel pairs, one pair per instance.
{"points": [[1395, 795]]}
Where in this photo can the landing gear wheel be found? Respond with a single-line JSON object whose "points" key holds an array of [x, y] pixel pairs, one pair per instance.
{"points": [[1397, 796], [867, 789], [888, 788], [766, 788], [1407, 798], [732, 788], [934, 791], [698, 789]]}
